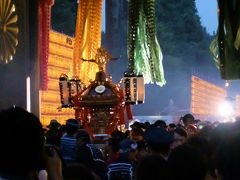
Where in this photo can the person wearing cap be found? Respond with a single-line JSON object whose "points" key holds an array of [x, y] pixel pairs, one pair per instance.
{"points": [[68, 141], [158, 141], [123, 168]]}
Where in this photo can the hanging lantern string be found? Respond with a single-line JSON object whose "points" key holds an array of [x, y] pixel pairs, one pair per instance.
{"points": [[132, 33]]}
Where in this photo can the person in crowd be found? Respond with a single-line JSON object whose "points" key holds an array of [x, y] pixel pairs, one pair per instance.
{"points": [[136, 125], [160, 124], [205, 130], [186, 163], [89, 155], [22, 144], [112, 150], [180, 137], [54, 164], [147, 125], [152, 167], [53, 135], [227, 158], [201, 143], [68, 141], [158, 141], [188, 119], [197, 121], [141, 150], [191, 129], [171, 127], [136, 134], [126, 134], [123, 167], [78, 171], [62, 130], [216, 137], [22, 152]]}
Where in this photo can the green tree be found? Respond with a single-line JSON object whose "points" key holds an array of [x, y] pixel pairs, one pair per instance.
{"points": [[179, 25]]}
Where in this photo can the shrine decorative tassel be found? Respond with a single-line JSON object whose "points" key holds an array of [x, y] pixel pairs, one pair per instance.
{"points": [[144, 52]]}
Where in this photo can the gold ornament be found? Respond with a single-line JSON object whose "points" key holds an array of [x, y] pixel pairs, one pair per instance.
{"points": [[87, 39], [8, 30]]}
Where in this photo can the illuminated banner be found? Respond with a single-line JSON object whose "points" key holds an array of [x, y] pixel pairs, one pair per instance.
{"points": [[59, 62], [206, 97]]}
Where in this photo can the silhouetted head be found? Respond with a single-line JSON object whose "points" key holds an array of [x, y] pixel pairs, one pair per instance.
{"points": [[72, 125], [83, 137], [136, 134], [188, 119], [151, 167], [78, 172], [158, 140], [186, 163], [115, 139], [22, 141], [160, 124], [128, 148], [54, 125], [227, 159], [180, 137], [171, 127]]}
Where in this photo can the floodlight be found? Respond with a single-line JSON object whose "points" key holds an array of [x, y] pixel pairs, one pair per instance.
{"points": [[225, 109]]}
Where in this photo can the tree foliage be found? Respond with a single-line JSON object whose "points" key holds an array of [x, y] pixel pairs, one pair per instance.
{"points": [[63, 19], [179, 26]]}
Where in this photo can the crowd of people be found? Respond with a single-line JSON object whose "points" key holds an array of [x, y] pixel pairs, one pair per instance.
{"points": [[190, 150]]}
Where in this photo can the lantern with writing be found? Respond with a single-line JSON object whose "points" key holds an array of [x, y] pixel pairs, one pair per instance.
{"points": [[75, 86], [134, 90], [64, 91]]}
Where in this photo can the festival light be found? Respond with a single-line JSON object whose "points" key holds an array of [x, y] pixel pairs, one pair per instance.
{"points": [[227, 84], [206, 97], [59, 62], [225, 109]]}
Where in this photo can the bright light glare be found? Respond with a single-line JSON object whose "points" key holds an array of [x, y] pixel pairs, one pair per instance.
{"points": [[227, 84], [225, 109]]}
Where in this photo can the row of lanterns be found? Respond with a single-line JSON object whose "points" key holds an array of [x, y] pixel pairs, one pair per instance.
{"points": [[134, 90]]}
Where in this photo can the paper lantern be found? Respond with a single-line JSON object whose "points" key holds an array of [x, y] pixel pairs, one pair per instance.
{"points": [[130, 89], [64, 91], [134, 89], [140, 89], [75, 86]]}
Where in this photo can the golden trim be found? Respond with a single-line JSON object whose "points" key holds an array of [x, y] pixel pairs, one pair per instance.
{"points": [[8, 30]]}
